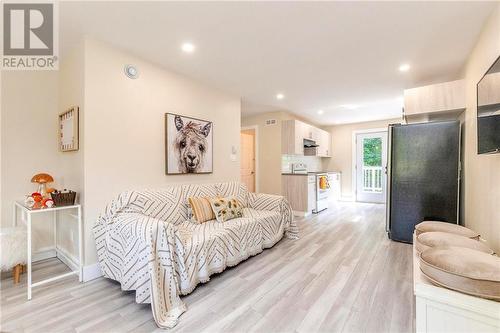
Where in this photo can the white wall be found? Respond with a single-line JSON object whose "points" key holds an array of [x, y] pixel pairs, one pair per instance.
{"points": [[121, 132], [71, 93], [30, 105], [29, 141], [1, 154], [313, 163], [481, 172], [342, 150], [269, 143], [271, 162], [124, 128]]}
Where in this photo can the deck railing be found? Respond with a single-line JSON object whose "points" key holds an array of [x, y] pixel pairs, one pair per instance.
{"points": [[372, 179]]}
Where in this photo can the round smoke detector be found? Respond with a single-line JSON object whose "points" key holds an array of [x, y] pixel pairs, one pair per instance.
{"points": [[131, 71]]}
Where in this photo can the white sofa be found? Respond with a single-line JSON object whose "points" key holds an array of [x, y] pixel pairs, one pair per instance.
{"points": [[146, 242]]}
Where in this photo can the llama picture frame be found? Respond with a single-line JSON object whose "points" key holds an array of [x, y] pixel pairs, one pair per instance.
{"points": [[188, 145], [68, 130]]}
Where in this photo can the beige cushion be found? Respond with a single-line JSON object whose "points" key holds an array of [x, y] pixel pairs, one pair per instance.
{"points": [[202, 210], [429, 226], [226, 209], [469, 271], [437, 238]]}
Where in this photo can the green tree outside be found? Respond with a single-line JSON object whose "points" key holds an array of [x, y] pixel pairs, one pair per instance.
{"points": [[372, 152]]}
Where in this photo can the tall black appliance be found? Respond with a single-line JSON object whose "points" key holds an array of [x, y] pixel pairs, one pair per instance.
{"points": [[423, 176]]}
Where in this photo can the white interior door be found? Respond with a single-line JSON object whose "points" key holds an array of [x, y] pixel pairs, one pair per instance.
{"points": [[371, 160]]}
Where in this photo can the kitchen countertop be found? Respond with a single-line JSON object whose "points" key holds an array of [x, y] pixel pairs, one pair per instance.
{"points": [[306, 174]]}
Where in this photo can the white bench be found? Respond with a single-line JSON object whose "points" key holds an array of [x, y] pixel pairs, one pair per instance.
{"points": [[442, 310]]}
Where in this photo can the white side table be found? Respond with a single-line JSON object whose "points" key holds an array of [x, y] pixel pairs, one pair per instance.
{"points": [[28, 212]]}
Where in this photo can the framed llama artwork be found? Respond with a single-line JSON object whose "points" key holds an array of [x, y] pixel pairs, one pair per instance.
{"points": [[188, 145]]}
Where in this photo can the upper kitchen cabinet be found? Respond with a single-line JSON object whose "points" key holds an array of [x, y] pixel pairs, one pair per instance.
{"points": [[293, 133], [325, 144], [448, 96], [292, 137], [310, 132]]}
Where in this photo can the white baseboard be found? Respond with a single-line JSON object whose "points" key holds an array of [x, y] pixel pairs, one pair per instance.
{"points": [[347, 197], [43, 253], [67, 258], [51, 252], [91, 272], [300, 214]]}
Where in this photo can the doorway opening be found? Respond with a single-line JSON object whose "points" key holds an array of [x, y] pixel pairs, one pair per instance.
{"points": [[249, 153], [370, 166]]}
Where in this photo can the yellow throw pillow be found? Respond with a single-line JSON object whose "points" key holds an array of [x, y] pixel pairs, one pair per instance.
{"points": [[202, 210], [226, 209]]}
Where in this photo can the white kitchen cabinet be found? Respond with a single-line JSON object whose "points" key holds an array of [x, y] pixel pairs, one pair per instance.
{"points": [[334, 181], [293, 133], [310, 132], [325, 144], [311, 193], [328, 144]]}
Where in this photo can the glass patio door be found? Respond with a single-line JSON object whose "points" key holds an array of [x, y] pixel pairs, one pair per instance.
{"points": [[371, 159]]}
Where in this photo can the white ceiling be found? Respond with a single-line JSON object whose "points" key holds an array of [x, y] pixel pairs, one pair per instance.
{"points": [[320, 55]]}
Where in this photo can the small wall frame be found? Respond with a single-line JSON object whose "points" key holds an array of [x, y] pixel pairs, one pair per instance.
{"points": [[68, 130]]}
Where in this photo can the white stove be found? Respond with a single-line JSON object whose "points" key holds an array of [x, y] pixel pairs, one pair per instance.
{"points": [[300, 168], [322, 192]]}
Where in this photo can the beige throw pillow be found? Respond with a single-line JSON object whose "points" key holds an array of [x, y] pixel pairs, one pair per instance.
{"points": [[429, 226], [202, 209], [464, 270], [437, 238], [226, 209]]}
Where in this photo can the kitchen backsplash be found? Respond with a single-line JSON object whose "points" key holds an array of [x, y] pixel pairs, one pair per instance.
{"points": [[313, 163]]}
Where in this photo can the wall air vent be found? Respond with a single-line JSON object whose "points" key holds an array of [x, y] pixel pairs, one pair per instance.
{"points": [[271, 122]]}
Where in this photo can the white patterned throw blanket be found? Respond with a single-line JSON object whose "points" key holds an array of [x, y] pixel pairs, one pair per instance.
{"points": [[146, 242]]}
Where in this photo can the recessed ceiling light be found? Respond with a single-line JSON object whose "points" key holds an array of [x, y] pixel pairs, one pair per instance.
{"points": [[321, 111], [280, 96], [404, 68], [188, 47], [349, 106], [131, 71]]}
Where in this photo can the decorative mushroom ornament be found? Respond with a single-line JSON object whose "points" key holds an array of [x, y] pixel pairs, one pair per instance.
{"points": [[42, 179]]}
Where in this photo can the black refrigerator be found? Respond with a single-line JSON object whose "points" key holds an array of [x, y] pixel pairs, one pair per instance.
{"points": [[423, 176]]}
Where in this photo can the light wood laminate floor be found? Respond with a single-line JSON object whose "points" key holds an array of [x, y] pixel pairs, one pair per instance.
{"points": [[343, 275]]}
